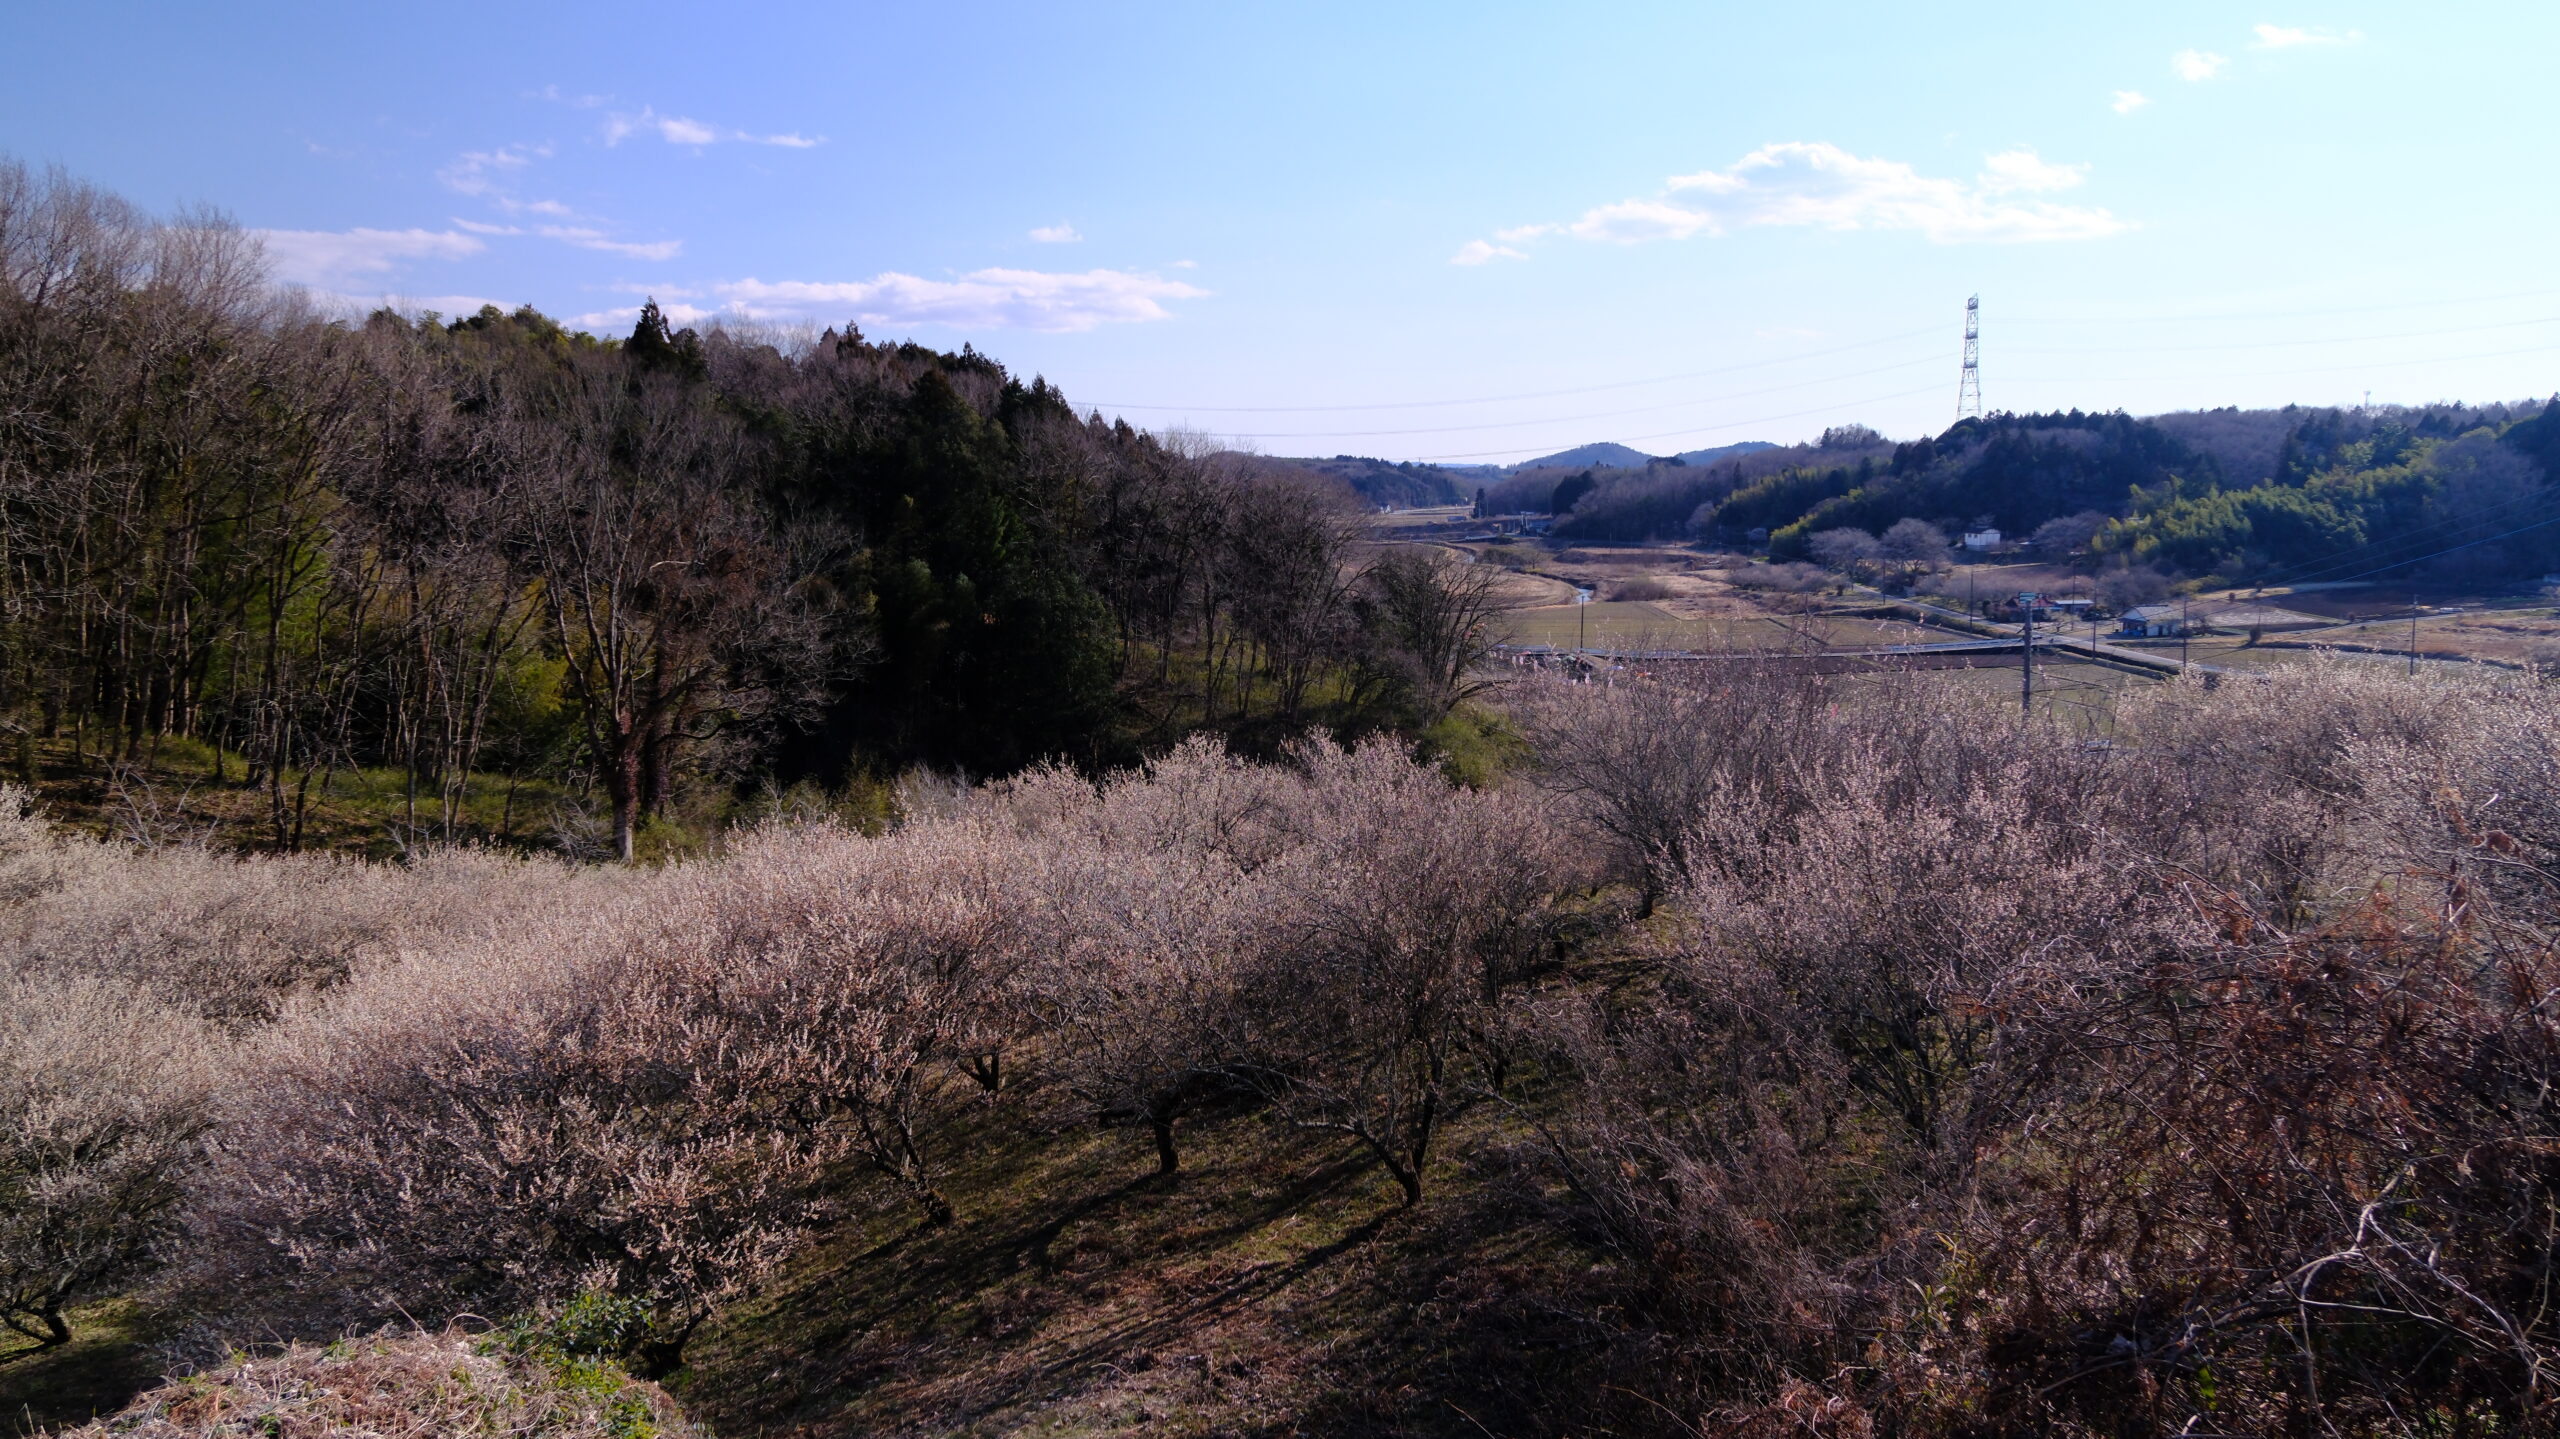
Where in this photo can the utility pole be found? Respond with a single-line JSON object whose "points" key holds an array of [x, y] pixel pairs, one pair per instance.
{"points": [[1581, 625], [1969, 387], [2413, 632], [2185, 623], [2027, 657]]}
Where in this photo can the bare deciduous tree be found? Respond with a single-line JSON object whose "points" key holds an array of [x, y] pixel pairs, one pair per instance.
{"points": [[105, 1098], [672, 604], [1435, 614], [1403, 914]]}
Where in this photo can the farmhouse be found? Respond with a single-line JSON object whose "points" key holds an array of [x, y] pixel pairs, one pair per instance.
{"points": [[2154, 622]]}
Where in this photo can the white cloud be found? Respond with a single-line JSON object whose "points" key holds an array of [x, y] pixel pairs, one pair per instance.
{"points": [[486, 175], [1058, 234], [982, 299], [2194, 66], [477, 228], [329, 259], [2287, 37], [2022, 169], [2128, 101], [586, 239], [1478, 252], [476, 172], [684, 130], [448, 305], [1186, 264], [677, 313], [1824, 186], [1632, 222], [354, 306]]}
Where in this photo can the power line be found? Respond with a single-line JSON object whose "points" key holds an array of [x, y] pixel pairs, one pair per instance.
{"points": [[2276, 314], [2285, 344], [2274, 374], [1535, 395], [1912, 334], [1715, 429], [1601, 415], [1570, 419], [2449, 550], [2316, 571]]}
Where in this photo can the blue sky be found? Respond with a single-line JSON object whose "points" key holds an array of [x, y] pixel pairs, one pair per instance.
{"points": [[1474, 232]]}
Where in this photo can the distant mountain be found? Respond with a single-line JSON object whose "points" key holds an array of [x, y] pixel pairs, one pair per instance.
{"points": [[1585, 457], [1385, 482], [1606, 456], [1723, 452]]}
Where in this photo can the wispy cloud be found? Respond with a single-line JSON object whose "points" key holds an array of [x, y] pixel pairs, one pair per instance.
{"points": [[1823, 186], [1058, 234], [490, 177], [586, 239], [980, 300], [477, 172], [2128, 101], [2287, 37], [2197, 66], [685, 130], [2022, 169], [479, 228], [336, 259], [582, 102]]}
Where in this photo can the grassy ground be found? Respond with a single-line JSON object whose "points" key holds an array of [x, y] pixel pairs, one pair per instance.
{"points": [[1274, 1289], [108, 1360], [2075, 695], [181, 790]]}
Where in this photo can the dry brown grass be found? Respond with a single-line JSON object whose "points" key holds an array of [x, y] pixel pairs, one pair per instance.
{"points": [[406, 1387]]}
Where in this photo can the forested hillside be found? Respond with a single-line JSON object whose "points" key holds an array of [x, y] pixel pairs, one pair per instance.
{"points": [[1385, 482], [2227, 494], [647, 567]]}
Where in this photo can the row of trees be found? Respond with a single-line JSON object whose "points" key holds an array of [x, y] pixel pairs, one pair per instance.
{"points": [[677, 558], [1964, 1078], [526, 1081]]}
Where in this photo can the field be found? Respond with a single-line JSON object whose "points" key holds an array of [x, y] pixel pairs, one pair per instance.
{"points": [[1652, 625], [1691, 601], [1676, 598]]}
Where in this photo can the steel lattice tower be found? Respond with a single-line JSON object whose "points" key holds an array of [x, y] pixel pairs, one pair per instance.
{"points": [[1969, 389]]}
